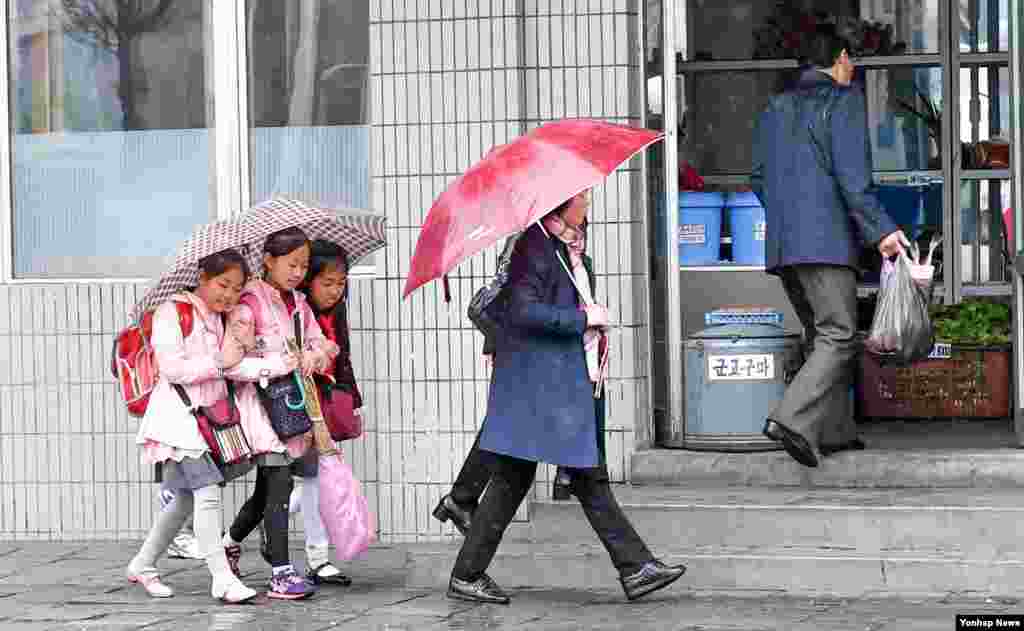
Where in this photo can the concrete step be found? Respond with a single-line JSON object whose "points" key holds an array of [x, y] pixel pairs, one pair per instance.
{"points": [[976, 523], [871, 468], [807, 570]]}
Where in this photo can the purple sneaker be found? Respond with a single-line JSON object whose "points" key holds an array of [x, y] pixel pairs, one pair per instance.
{"points": [[289, 585]]}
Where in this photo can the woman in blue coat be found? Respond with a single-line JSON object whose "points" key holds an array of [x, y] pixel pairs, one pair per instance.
{"points": [[542, 408]]}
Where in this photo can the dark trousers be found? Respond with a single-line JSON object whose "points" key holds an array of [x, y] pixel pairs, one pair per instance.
{"points": [[473, 476], [269, 504], [817, 403], [510, 481]]}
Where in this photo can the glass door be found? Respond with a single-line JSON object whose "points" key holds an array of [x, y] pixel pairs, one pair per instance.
{"points": [[939, 81]]}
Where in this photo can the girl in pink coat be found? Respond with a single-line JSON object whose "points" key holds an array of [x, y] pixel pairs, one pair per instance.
{"points": [[170, 435], [264, 318]]}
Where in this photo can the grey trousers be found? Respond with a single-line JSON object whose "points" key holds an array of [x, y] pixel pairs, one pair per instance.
{"points": [[817, 403]]}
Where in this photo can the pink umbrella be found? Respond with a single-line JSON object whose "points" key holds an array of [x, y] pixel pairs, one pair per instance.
{"points": [[515, 185]]}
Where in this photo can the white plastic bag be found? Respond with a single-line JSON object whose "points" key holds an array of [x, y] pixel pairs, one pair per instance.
{"points": [[902, 329]]}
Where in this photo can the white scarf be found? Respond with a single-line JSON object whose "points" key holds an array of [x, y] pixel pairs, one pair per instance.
{"points": [[595, 341]]}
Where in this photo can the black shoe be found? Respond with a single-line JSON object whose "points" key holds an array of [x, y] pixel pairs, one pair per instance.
{"points": [[651, 577], [313, 576], [854, 445], [794, 444], [482, 590], [462, 518], [561, 488]]}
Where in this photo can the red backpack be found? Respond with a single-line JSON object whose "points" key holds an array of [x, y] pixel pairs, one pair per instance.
{"points": [[133, 361]]}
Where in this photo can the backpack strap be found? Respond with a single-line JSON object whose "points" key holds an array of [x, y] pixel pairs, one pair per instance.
{"points": [[186, 317], [188, 401]]}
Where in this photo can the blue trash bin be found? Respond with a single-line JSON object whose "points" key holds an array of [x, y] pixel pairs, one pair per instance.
{"points": [[700, 227], [747, 221]]}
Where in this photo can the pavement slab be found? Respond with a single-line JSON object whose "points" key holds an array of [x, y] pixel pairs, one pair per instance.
{"points": [[93, 595]]}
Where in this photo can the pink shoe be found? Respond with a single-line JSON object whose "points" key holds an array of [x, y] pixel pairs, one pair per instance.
{"points": [[152, 584]]}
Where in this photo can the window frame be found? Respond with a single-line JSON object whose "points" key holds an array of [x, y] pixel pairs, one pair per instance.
{"points": [[230, 160]]}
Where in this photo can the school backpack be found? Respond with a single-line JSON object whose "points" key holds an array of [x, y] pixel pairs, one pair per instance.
{"points": [[133, 360]]}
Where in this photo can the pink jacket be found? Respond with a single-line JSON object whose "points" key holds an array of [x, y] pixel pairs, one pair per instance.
{"points": [[263, 312], [195, 363]]}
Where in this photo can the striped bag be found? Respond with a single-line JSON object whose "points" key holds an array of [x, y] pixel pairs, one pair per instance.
{"points": [[220, 425]]}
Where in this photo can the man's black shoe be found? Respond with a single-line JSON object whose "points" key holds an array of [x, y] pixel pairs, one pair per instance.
{"points": [[794, 444], [482, 590], [462, 518], [651, 577], [854, 445]]}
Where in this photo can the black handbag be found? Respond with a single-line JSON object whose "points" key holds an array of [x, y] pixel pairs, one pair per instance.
{"points": [[285, 421], [480, 311]]}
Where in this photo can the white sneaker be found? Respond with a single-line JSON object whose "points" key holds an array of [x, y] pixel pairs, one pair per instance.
{"points": [[235, 592], [184, 546]]}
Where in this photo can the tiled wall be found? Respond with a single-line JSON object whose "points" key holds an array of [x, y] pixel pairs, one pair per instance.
{"points": [[451, 79]]}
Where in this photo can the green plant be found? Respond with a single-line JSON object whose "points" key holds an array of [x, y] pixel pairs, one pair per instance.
{"points": [[973, 321]]}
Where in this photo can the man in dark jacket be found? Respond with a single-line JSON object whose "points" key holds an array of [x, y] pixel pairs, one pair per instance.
{"points": [[812, 173]]}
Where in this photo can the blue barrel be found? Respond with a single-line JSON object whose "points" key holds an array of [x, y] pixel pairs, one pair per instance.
{"points": [[746, 218], [735, 374], [700, 227]]}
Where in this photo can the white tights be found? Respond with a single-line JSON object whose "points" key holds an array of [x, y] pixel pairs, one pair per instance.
{"points": [[204, 503], [306, 497]]}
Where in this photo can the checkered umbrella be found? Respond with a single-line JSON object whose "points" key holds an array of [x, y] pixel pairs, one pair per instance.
{"points": [[184, 271], [358, 231]]}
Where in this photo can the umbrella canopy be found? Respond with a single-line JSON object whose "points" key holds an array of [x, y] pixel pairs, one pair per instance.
{"points": [[184, 271], [515, 185], [358, 231]]}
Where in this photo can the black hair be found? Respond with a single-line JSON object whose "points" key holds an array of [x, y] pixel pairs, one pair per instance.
{"points": [[284, 242], [559, 209], [823, 47], [216, 264], [323, 253]]}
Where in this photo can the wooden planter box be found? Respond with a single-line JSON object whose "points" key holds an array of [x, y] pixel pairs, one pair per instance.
{"points": [[956, 382]]}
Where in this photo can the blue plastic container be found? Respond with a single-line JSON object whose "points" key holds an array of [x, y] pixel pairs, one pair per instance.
{"points": [[746, 218], [700, 227]]}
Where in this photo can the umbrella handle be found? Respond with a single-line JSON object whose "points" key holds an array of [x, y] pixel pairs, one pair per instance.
{"points": [[302, 393]]}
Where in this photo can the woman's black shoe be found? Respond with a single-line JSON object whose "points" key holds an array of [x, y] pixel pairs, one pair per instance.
{"points": [[461, 517], [561, 488], [653, 576], [482, 590]]}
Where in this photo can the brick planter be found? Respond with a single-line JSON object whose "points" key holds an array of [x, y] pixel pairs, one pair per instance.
{"points": [[957, 382]]}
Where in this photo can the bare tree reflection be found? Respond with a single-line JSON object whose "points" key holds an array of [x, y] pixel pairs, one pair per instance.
{"points": [[115, 25]]}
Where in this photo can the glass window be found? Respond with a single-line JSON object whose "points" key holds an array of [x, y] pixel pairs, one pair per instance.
{"points": [[984, 25], [110, 138], [985, 117], [904, 110], [308, 100], [763, 29], [984, 253]]}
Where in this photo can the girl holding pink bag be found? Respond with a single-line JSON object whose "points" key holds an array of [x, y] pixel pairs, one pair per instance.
{"points": [[325, 288]]}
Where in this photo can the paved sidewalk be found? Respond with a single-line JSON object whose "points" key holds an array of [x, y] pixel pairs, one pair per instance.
{"points": [[80, 586]]}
